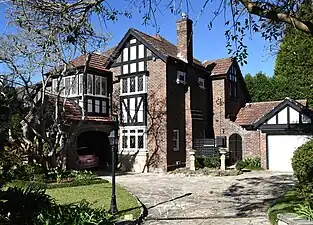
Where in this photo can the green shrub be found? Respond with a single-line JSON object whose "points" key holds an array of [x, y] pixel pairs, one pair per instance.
{"points": [[241, 164], [302, 164], [207, 161], [22, 205], [253, 163], [304, 211], [249, 163], [79, 214]]}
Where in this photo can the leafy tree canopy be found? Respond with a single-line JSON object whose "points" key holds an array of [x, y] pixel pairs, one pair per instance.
{"points": [[293, 70]]}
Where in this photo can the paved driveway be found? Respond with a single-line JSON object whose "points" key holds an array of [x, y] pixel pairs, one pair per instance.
{"points": [[174, 199]]}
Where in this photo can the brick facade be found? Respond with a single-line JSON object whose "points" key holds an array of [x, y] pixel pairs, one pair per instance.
{"points": [[225, 110]]}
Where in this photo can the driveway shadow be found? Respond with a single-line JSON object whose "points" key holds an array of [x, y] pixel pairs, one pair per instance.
{"points": [[255, 194]]}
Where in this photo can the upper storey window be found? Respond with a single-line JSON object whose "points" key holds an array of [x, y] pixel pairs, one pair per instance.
{"points": [[96, 85], [67, 86], [133, 85], [233, 82]]}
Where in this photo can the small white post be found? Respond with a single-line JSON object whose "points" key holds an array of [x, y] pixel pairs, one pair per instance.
{"points": [[192, 161], [223, 157]]}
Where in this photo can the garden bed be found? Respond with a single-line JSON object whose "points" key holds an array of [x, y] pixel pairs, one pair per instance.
{"points": [[284, 204]]}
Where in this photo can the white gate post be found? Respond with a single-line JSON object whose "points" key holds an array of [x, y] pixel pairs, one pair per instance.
{"points": [[192, 161]]}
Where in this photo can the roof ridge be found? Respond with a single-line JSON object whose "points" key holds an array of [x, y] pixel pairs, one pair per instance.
{"points": [[153, 36]]}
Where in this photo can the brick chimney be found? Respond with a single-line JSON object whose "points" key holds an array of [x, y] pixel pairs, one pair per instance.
{"points": [[184, 39]]}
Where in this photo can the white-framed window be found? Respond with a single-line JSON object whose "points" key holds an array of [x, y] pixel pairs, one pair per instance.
{"points": [[81, 84], [175, 140], [181, 77], [68, 85], [133, 85], [132, 138], [103, 106], [89, 107], [89, 84], [97, 106], [100, 85], [201, 83]]}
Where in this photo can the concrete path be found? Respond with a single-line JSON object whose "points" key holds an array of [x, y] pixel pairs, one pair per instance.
{"points": [[175, 199]]}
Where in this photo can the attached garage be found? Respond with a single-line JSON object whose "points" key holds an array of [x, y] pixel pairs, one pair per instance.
{"points": [[287, 127], [280, 149]]}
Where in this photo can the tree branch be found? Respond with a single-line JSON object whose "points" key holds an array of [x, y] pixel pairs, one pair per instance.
{"points": [[273, 14]]}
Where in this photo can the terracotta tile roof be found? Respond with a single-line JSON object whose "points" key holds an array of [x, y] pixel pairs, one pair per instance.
{"points": [[156, 41], [252, 112], [71, 108], [97, 61], [218, 66]]}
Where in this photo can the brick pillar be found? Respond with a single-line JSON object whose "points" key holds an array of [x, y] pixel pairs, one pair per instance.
{"points": [[263, 150], [188, 127]]}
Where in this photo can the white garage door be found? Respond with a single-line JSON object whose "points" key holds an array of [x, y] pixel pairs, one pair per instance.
{"points": [[281, 149]]}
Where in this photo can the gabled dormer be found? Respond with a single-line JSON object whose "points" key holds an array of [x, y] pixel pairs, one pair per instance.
{"points": [[90, 86]]}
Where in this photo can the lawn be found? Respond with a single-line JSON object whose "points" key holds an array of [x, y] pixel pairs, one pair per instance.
{"points": [[98, 195], [284, 204]]}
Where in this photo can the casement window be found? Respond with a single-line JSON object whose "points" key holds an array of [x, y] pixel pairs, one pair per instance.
{"points": [[96, 106], [233, 82], [132, 139], [68, 85], [181, 77], [81, 84], [176, 140], [89, 107], [96, 85], [89, 84], [133, 85], [201, 83]]}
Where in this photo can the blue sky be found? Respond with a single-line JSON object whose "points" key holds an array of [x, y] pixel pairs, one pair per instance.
{"points": [[208, 44]]}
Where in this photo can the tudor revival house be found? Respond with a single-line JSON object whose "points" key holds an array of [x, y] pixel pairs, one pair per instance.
{"points": [[167, 99]]}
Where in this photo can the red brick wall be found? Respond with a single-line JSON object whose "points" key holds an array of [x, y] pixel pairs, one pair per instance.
{"points": [[157, 116]]}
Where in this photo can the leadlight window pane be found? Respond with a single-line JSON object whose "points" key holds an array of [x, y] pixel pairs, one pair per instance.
{"points": [[75, 85], [67, 85], [62, 86], [124, 141], [132, 131], [97, 106], [90, 105], [89, 84], [140, 141], [104, 107], [124, 85], [55, 86], [97, 83], [132, 84], [103, 86], [81, 86], [140, 83], [132, 140]]}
